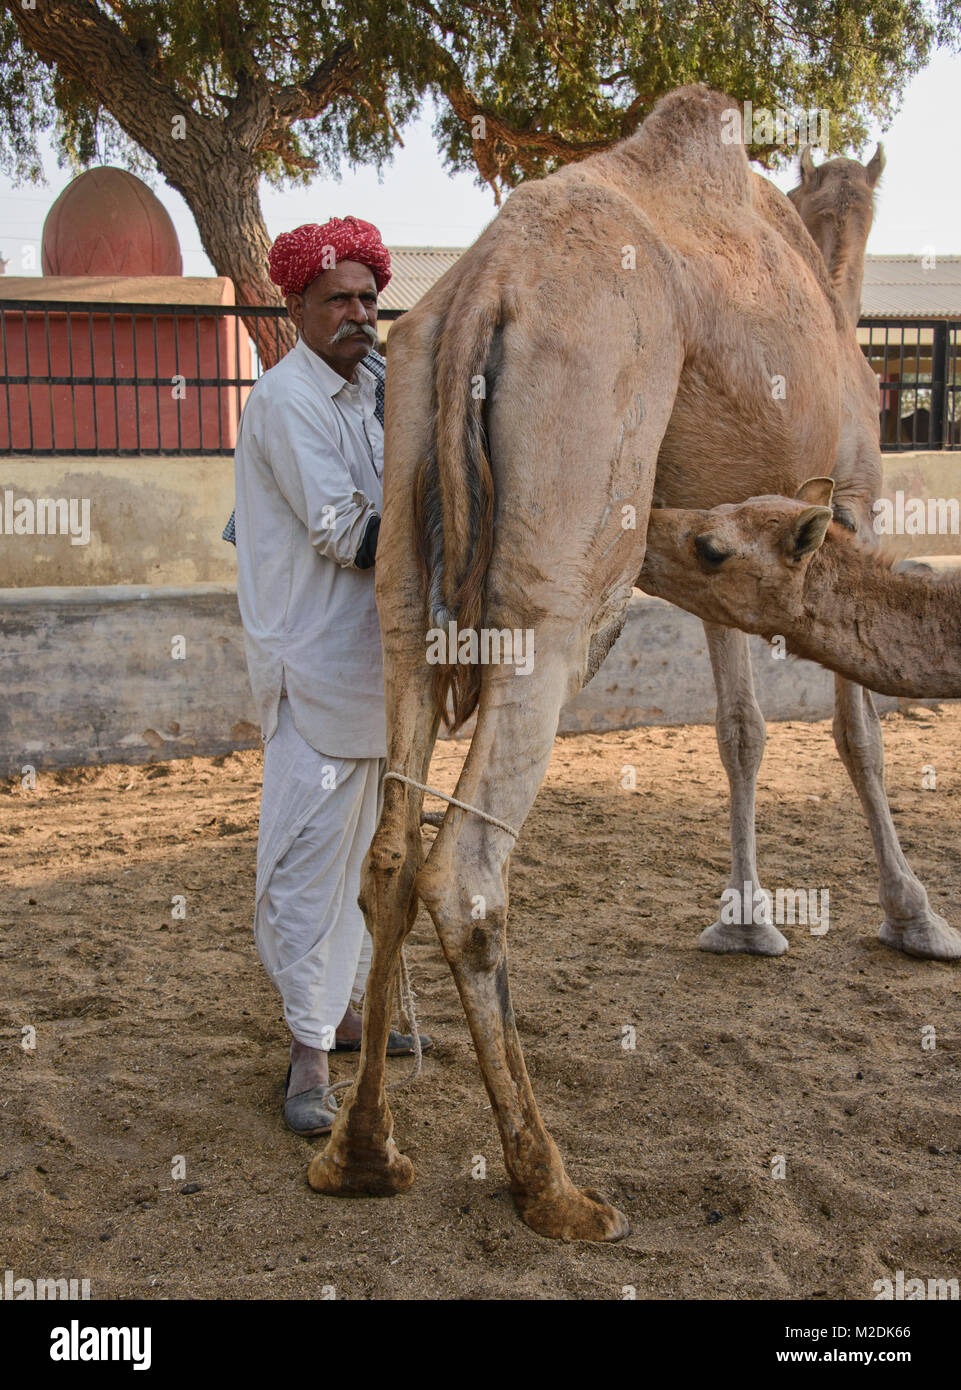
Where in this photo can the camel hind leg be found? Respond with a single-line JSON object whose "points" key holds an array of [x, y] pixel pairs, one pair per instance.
{"points": [[464, 886], [361, 1157], [910, 923]]}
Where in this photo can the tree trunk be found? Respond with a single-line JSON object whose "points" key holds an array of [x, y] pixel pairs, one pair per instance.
{"points": [[225, 202], [205, 160]]}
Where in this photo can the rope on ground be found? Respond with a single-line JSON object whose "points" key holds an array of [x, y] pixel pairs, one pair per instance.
{"points": [[410, 1019]]}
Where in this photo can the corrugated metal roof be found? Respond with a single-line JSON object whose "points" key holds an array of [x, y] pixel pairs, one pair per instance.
{"points": [[415, 269], [900, 287], [894, 286]]}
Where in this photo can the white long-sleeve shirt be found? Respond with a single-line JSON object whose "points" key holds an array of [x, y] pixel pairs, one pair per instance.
{"points": [[309, 466]]}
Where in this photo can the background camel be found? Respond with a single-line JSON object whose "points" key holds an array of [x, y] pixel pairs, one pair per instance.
{"points": [[623, 317], [836, 202], [783, 568]]}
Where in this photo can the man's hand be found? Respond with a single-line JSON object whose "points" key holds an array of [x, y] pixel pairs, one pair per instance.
{"points": [[364, 558]]}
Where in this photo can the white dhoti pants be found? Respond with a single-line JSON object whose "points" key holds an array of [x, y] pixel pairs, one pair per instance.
{"points": [[318, 814]]}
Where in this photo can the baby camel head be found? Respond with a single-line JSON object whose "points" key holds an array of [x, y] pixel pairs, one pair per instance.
{"points": [[742, 563]]}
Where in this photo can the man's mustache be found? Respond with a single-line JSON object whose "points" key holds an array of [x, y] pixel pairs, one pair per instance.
{"points": [[348, 330]]}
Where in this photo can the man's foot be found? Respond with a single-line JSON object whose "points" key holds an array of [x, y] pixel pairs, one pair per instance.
{"points": [[350, 1030], [308, 1069], [309, 1113]]}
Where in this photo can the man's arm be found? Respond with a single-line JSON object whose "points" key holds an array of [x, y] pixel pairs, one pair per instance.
{"points": [[312, 474]]}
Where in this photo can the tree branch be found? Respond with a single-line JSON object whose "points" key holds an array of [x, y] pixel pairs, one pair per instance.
{"points": [[332, 77], [87, 46]]}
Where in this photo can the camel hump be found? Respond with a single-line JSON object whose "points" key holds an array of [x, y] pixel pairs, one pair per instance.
{"points": [[693, 138]]}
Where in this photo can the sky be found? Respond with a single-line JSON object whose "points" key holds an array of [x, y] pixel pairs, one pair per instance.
{"points": [[417, 202]]}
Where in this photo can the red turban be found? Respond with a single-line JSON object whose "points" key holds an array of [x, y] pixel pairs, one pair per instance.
{"points": [[299, 256]]}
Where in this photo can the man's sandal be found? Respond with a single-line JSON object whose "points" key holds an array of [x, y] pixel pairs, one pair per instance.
{"points": [[309, 1113], [398, 1044]]}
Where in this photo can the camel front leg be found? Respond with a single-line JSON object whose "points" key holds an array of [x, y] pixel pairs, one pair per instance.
{"points": [[745, 923], [910, 924], [464, 886]]}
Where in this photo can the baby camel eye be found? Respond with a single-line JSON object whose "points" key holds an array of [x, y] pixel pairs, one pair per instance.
{"points": [[710, 553]]}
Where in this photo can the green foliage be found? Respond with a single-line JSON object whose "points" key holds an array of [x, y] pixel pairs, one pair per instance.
{"points": [[588, 71], [25, 105], [549, 76]]}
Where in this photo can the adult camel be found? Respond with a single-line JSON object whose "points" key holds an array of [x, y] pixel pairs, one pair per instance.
{"points": [[624, 318], [836, 204]]}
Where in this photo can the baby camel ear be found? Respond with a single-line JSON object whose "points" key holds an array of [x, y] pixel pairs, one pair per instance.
{"points": [[808, 531], [816, 490]]}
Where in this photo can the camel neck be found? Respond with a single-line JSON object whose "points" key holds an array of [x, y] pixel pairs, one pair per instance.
{"points": [[848, 282], [895, 633], [843, 257]]}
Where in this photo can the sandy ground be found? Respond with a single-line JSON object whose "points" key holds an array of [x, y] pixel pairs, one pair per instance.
{"points": [[158, 1036]]}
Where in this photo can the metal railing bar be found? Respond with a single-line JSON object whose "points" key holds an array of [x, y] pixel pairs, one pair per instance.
{"points": [[200, 415], [93, 367], [16, 380], [116, 398], [893, 344], [3, 341], [136, 390], [26, 363], [156, 368], [73, 394]]}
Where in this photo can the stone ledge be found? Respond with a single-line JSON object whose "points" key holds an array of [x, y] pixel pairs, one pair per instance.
{"points": [[178, 291], [98, 594]]}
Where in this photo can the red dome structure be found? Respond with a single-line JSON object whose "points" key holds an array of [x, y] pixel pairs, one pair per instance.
{"points": [[108, 222]]}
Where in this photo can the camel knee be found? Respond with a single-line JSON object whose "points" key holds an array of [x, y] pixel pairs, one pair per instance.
{"points": [[741, 736], [476, 948], [470, 914], [859, 754], [858, 739], [389, 865]]}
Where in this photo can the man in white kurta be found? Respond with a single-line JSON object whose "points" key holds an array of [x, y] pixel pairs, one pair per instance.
{"points": [[309, 465]]}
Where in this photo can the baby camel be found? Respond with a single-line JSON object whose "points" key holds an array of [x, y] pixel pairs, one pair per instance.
{"points": [[780, 568]]}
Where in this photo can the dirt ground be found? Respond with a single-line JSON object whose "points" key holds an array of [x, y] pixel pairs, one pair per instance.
{"points": [[158, 1036]]}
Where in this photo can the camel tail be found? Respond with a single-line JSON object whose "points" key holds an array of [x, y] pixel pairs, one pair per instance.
{"points": [[454, 499]]}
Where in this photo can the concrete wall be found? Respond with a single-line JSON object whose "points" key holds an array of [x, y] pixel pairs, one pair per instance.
{"points": [[158, 520], [88, 676], [152, 521], [85, 631], [922, 475]]}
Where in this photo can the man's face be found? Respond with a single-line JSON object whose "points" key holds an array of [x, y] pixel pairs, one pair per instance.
{"points": [[337, 315]]}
